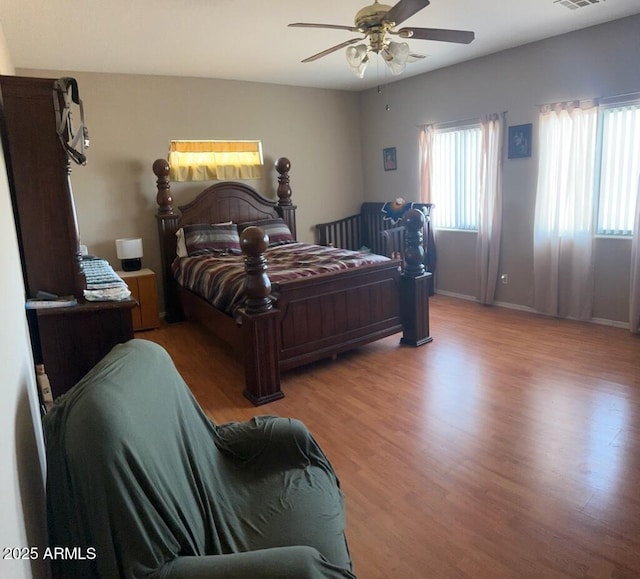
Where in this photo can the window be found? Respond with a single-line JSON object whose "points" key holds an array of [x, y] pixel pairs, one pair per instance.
{"points": [[455, 176], [208, 160], [619, 168]]}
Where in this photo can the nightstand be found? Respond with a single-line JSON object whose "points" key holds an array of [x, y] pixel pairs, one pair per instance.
{"points": [[144, 290]]}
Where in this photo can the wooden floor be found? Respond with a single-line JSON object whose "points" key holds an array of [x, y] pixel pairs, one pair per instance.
{"points": [[507, 447]]}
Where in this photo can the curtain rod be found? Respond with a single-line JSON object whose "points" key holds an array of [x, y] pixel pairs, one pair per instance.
{"points": [[459, 122], [601, 100], [451, 123], [630, 96]]}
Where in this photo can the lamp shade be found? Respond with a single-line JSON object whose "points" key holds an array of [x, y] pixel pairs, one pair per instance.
{"points": [[130, 248], [358, 58], [129, 251], [396, 55]]}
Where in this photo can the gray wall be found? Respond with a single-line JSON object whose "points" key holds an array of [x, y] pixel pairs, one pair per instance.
{"points": [[595, 62]]}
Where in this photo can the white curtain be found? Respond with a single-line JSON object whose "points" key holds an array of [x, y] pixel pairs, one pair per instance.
{"points": [[490, 204], [564, 216], [426, 152], [425, 141], [634, 290]]}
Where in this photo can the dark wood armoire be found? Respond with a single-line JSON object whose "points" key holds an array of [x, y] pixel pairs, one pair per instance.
{"points": [[68, 341]]}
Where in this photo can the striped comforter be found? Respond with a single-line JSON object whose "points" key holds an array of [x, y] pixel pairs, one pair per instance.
{"points": [[220, 278]]}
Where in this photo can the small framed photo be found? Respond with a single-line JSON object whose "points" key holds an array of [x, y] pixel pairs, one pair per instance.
{"points": [[389, 159], [520, 141]]}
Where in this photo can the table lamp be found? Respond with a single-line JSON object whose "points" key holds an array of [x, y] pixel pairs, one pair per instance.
{"points": [[129, 252]]}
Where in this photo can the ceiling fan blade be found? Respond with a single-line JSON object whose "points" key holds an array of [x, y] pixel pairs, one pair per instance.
{"points": [[404, 9], [332, 49], [332, 26], [440, 34]]}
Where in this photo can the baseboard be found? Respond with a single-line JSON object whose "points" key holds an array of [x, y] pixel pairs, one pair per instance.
{"points": [[614, 323], [455, 295], [529, 309], [518, 307]]}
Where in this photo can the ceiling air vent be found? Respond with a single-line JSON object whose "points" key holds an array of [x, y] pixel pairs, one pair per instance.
{"points": [[575, 4]]}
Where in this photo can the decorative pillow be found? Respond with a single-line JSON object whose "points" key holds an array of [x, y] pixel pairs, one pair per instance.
{"points": [[277, 230], [181, 246], [205, 238]]}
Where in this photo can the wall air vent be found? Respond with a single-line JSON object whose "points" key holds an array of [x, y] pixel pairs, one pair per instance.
{"points": [[575, 4]]}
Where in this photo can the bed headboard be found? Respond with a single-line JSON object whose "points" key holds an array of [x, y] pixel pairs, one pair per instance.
{"points": [[224, 201], [227, 201]]}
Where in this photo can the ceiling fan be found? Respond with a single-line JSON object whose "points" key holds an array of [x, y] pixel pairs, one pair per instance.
{"points": [[377, 22]]}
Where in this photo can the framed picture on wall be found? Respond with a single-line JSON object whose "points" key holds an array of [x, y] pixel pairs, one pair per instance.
{"points": [[520, 141], [389, 159]]}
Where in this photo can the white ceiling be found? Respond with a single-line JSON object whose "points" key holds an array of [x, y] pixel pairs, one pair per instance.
{"points": [[249, 39]]}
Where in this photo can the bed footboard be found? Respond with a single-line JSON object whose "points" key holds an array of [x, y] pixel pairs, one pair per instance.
{"points": [[324, 315], [316, 317]]}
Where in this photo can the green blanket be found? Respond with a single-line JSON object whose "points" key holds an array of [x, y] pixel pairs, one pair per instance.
{"points": [[141, 483]]}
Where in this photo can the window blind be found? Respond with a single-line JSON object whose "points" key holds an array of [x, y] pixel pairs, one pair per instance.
{"points": [[619, 168], [456, 177]]}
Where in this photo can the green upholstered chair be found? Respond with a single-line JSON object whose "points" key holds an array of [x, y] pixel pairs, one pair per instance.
{"points": [[141, 483]]}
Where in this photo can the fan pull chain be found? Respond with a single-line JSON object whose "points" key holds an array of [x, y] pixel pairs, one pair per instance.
{"points": [[387, 106]]}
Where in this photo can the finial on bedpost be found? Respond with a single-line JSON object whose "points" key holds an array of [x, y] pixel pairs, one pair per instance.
{"points": [[257, 285], [163, 198], [413, 221], [283, 165], [285, 208]]}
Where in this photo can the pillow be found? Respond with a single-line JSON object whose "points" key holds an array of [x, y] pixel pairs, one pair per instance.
{"points": [[205, 238], [277, 230], [181, 246]]}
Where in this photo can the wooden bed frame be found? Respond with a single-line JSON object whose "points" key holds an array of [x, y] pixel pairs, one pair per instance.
{"points": [[314, 317]]}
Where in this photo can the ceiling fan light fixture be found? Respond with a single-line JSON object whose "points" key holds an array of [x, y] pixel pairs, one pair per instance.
{"points": [[396, 55], [377, 22], [358, 58]]}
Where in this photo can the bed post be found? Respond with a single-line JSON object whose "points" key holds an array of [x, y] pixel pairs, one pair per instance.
{"points": [[414, 283], [167, 219], [285, 208], [260, 329]]}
